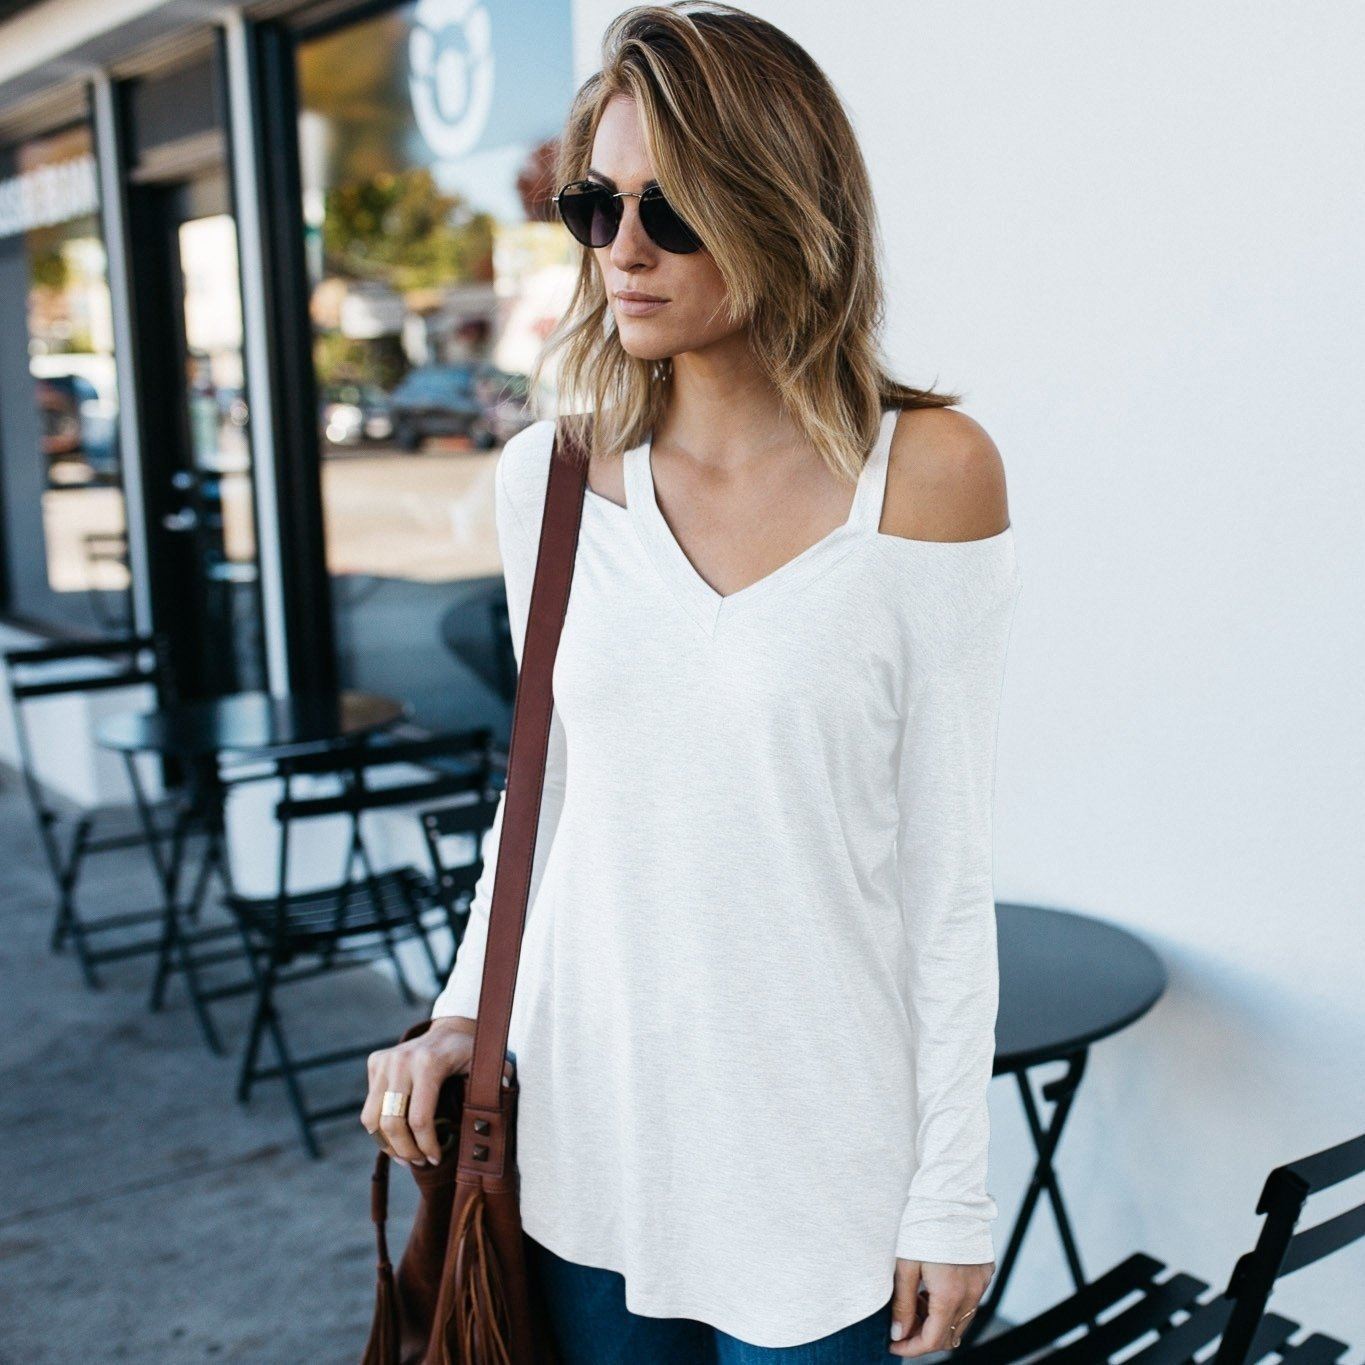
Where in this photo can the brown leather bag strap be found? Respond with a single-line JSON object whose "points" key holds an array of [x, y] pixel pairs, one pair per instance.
{"points": [[531, 716]]}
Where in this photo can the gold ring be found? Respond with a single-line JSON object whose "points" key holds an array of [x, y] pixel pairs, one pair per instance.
{"points": [[395, 1103], [957, 1340]]}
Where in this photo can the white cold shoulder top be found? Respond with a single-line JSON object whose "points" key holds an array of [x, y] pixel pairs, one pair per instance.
{"points": [[754, 1020]]}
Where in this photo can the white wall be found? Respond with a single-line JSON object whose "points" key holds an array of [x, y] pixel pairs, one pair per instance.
{"points": [[1131, 235]]}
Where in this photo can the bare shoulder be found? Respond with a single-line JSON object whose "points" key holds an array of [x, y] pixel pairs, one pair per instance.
{"points": [[607, 478], [945, 479]]}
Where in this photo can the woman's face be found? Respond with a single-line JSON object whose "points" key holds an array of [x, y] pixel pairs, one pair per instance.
{"points": [[693, 316]]}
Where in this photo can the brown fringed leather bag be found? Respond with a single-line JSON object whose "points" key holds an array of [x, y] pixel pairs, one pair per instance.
{"points": [[463, 1293]]}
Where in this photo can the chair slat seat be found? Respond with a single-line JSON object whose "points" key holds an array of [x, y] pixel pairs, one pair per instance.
{"points": [[1318, 1349], [1038, 1333], [1272, 1338], [325, 915], [1156, 1309], [1179, 1344]]}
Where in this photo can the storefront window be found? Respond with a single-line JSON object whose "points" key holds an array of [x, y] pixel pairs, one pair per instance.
{"points": [[65, 539], [437, 269]]}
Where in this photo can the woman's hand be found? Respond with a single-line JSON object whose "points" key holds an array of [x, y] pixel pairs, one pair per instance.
{"points": [[417, 1069], [933, 1315]]}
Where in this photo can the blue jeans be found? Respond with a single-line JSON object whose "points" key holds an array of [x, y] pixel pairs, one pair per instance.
{"points": [[593, 1326]]}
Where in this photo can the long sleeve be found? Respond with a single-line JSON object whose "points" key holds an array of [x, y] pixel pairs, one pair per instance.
{"points": [[517, 544], [946, 785]]}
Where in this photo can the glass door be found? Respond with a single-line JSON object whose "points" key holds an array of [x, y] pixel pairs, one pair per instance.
{"points": [[203, 520], [62, 513], [426, 138]]}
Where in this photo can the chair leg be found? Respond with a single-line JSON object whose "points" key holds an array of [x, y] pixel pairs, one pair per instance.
{"points": [[291, 1082], [64, 920], [197, 1002], [419, 929], [266, 1019], [169, 870], [265, 981], [405, 988], [69, 924], [174, 941], [68, 921], [410, 996]]}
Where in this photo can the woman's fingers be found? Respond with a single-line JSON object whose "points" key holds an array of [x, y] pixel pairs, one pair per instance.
{"points": [[909, 1304], [932, 1316], [936, 1332], [417, 1069], [369, 1111], [389, 1069], [427, 1078], [406, 1072]]}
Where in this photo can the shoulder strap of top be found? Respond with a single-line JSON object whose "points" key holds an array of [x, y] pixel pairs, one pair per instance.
{"points": [[866, 513]]}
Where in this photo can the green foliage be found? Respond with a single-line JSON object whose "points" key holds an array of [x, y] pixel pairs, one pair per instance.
{"points": [[349, 360], [401, 229]]}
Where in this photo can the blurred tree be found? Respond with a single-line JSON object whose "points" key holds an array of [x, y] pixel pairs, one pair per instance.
{"points": [[340, 359], [401, 229]]}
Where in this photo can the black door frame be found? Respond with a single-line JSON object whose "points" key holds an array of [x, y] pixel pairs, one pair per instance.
{"points": [[191, 613], [306, 588]]}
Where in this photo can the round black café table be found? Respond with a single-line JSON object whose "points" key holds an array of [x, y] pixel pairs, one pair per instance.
{"points": [[251, 723], [198, 733], [1067, 980]]}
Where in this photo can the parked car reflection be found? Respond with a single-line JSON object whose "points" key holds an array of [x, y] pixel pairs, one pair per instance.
{"points": [[77, 430], [437, 400], [355, 413], [474, 399]]}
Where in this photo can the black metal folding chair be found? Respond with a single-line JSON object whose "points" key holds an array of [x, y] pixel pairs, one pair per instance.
{"points": [[294, 935], [455, 875], [68, 834], [1141, 1296]]}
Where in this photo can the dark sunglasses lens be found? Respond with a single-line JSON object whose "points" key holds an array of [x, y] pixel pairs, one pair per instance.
{"points": [[589, 213], [661, 221]]}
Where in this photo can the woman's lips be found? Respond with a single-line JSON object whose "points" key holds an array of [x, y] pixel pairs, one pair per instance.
{"points": [[639, 308]]}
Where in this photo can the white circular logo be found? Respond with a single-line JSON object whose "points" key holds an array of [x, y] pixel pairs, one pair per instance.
{"points": [[450, 75]]}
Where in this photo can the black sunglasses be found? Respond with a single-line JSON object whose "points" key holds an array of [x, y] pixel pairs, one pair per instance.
{"points": [[592, 213]]}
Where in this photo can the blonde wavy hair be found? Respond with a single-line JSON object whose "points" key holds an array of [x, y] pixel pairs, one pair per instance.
{"points": [[753, 147]]}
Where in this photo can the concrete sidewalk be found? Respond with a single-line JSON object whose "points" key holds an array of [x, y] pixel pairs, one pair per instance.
{"points": [[146, 1215]]}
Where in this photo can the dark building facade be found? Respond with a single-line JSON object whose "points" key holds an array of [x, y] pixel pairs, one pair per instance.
{"points": [[272, 281]]}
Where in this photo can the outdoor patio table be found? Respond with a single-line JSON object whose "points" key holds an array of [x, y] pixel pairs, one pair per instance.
{"points": [[199, 733], [1066, 981]]}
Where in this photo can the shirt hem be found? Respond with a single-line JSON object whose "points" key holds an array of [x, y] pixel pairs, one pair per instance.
{"points": [[792, 1331]]}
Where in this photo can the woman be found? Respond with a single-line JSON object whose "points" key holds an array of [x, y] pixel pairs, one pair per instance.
{"points": [[754, 1020]]}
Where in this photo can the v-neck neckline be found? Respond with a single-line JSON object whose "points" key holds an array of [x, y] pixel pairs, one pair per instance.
{"points": [[709, 608]]}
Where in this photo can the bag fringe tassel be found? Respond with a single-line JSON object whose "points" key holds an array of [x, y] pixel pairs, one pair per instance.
{"points": [[382, 1347], [478, 1299]]}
